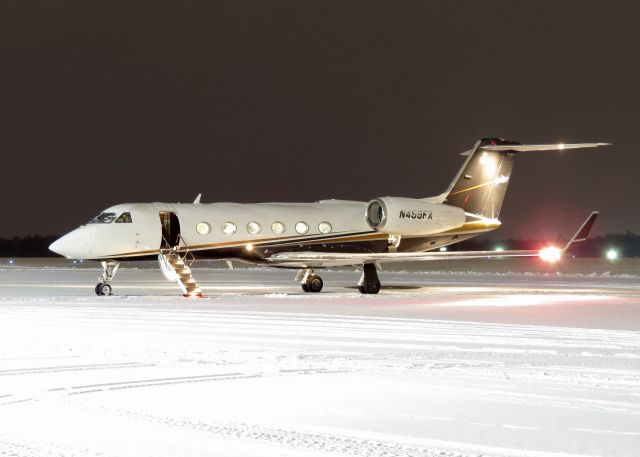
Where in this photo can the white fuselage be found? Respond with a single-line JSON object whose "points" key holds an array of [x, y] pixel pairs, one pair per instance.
{"points": [[143, 235], [216, 226]]}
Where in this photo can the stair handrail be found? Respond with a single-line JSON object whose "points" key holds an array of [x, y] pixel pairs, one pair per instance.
{"points": [[188, 258], [163, 250], [185, 254]]}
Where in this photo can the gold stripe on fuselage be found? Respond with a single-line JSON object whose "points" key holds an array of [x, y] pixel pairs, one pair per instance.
{"points": [[468, 227], [288, 239]]}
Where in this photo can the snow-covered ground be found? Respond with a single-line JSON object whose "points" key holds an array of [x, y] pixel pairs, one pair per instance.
{"points": [[439, 364]]}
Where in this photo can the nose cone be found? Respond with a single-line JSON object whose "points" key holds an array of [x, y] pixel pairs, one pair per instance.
{"points": [[62, 246], [73, 245]]}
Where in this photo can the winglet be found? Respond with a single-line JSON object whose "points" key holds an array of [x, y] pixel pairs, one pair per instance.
{"points": [[583, 233], [197, 200]]}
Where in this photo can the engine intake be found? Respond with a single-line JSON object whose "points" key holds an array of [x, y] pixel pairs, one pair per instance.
{"points": [[410, 216]]}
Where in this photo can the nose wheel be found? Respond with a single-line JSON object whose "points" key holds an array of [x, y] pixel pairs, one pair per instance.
{"points": [[103, 289], [109, 269]]}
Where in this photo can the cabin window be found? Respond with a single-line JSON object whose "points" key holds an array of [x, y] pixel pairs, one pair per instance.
{"points": [[278, 228], [229, 228], [302, 227], [103, 218], [325, 227], [253, 228], [203, 228], [124, 218]]}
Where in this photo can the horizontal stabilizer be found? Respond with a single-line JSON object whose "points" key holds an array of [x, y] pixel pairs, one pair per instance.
{"points": [[540, 147]]}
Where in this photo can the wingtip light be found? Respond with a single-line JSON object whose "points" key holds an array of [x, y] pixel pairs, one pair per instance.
{"points": [[550, 254]]}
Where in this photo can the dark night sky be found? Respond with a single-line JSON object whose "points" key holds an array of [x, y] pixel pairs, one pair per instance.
{"points": [[103, 102]]}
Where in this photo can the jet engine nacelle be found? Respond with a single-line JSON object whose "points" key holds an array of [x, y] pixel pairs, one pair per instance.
{"points": [[410, 216]]}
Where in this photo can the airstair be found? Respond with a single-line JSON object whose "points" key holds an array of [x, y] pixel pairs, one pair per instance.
{"points": [[175, 264]]}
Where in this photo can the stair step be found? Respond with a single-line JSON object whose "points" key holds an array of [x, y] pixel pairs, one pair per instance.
{"points": [[196, 294], [183, 274]]}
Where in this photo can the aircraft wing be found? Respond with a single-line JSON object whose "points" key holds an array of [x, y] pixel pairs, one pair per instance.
{"points": [[323, 259], [310, 259]]}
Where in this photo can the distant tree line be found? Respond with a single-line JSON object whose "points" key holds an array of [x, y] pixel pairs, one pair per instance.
{"points": [[28, 246], [627, 244]]}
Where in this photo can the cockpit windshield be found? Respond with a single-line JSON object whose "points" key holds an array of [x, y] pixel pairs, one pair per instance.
{"points": [[124, 218], [103, 218]]}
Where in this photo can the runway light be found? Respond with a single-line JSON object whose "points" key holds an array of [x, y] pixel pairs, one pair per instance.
{"points": [[10, 261], [550, 254], [612, 254]]}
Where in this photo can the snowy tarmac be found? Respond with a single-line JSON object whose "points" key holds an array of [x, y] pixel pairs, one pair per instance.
{"points": [[441, 363]]}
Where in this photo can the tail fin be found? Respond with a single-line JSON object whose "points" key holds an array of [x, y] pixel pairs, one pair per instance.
{"points": [[481, 184], [583, 232]]}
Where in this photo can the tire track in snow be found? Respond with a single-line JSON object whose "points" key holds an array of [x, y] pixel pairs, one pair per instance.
{"points": [[159, 382], [62, 368], [543, 351], [155, 382]]}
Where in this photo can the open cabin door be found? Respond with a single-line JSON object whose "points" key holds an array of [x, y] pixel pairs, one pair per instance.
{"points": [[170, 229], [174, 263]]}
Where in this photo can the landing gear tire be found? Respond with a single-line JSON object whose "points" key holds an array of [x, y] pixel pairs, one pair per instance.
{"points": [[109, 269], [314, 284], [309, 281], [106, 289], [103, 289], [369, 283], [372, 288]]}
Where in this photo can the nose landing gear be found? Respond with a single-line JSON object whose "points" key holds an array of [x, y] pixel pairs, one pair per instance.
{"points": [[109, 270]]}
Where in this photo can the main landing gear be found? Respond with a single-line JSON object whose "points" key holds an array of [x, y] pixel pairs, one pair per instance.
{"points": [[309, 281], [369, 282], [109, 270]]}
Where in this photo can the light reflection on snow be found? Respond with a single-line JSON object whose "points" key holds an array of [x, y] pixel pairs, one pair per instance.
{"points": [[522, 300]]}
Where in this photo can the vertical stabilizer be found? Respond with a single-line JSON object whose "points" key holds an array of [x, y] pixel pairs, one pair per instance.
{"points": [[480, 185]]}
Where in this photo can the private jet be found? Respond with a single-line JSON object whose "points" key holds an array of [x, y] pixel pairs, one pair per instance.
{"points": [[310, 236]]}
